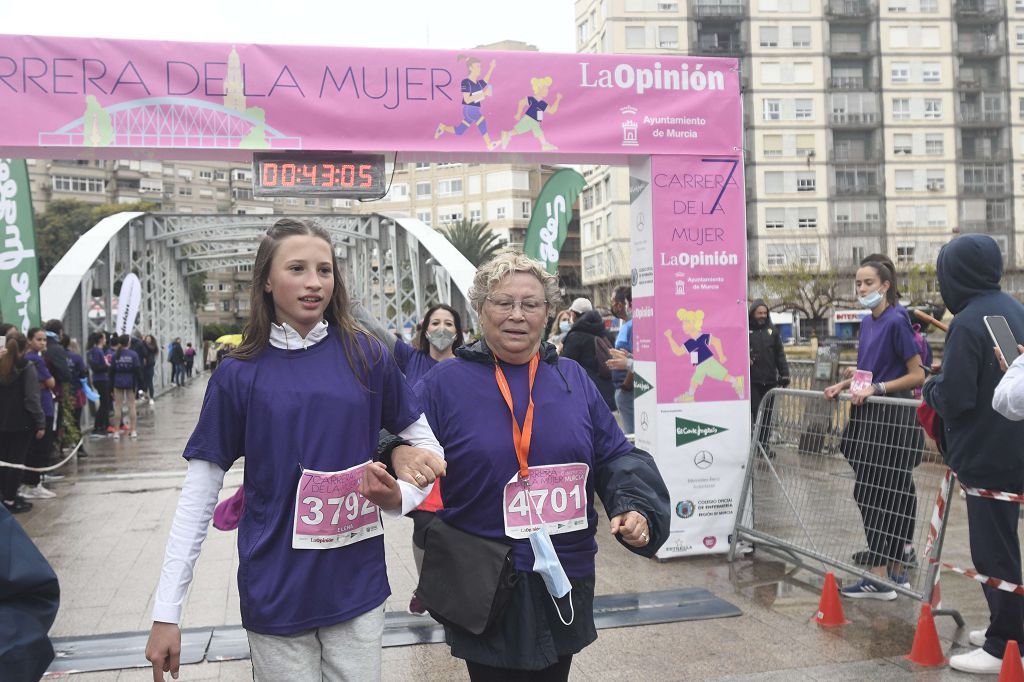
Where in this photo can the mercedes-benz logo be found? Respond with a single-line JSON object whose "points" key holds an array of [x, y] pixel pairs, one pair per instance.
{"points": [[703, 459], [643, 421]]}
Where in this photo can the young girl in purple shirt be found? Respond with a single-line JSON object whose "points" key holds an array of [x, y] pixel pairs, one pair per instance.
{"points": [[303, 399]]}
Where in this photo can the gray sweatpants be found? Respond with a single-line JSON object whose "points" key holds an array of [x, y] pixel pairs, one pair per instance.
{"points": [[346, 651]]}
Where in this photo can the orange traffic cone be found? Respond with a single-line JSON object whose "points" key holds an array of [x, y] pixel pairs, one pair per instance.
{"points": [[927, 651], [1012, 670], [830, 610]]}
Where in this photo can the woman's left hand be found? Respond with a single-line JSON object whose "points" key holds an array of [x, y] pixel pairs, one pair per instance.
{"points": [[632, 528], [379, 487], [858, 397]]}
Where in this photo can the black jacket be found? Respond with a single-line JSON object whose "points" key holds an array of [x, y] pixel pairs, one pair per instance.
{"points": [[630, 483], [57, 361], [177, 354], [20, 407], [767, 356], [579, 345], [29, 597], [982, 446]]}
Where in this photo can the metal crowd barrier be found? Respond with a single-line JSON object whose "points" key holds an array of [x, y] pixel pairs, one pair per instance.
{"points": [[801, 373], [825, 478]]}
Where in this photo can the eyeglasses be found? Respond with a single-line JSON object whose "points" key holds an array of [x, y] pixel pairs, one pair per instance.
{"points": [[529, 306]]}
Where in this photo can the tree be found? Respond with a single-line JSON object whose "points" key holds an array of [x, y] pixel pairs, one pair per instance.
{"points": [[65, 220], [808, 291], [475, 241]]}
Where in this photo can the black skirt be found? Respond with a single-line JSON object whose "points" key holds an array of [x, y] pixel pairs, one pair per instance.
{"points": [[529, 635]]}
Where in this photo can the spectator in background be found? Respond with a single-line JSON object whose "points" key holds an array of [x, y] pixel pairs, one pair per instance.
{"points": [[586, 344], [211, 356], [177, 359], [622, 378], [149, 366], [768, 366], [190, 359], [74, 394], [99, 364], [21, 417], [42, 448], [559, 328], [982, 445], [126, 372]]}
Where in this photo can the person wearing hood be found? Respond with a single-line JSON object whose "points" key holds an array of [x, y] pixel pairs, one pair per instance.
{"points": [[768, 366], [581, 344], [981, 444], [511, 413], [21, 417]]}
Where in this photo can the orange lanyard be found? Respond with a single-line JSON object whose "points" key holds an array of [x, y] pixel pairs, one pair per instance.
{"points": [[521, 438]]}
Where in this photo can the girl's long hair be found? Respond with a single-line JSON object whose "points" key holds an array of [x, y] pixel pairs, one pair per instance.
{"points": [[256, 335], [421, 339], [16, 345], [885, 274]]}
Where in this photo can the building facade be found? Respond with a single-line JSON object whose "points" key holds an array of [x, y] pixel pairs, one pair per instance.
{"points": [[871, 125]]}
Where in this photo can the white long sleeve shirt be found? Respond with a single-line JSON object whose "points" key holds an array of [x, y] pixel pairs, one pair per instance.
{"points": [[1008, 399], [203, 483]]}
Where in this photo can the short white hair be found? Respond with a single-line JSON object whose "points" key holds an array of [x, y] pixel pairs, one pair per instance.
{"points": [[504, 265]]}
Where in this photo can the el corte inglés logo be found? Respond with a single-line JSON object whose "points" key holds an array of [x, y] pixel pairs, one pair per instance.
{"points": [[640, 385], [688, 431]]}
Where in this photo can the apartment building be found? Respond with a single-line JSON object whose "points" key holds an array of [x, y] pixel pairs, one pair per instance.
{"points": [[871, 125]]}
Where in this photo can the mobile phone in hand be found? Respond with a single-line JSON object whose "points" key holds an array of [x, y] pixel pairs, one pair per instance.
{"points": [[1000, 332]]}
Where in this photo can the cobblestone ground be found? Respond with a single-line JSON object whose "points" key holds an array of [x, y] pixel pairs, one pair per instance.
{"points": [[105, 533]]}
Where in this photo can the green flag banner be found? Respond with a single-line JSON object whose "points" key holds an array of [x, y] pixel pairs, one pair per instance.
{"points": [[19, 271], [551, 215]]}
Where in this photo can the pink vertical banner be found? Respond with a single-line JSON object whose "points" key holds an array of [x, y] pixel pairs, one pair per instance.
{"points": [[700, 279]]}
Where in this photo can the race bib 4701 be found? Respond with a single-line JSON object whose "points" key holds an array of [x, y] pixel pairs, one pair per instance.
{"points": [[556, 497], [330, 512]]}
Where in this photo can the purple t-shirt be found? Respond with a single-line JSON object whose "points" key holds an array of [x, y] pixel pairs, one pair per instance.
{"points": [[285, 410], [699, 344], [571, 423], [43, 372], [413, 363], [885, 344], [126, 365], [99, 363], [469, 87]]}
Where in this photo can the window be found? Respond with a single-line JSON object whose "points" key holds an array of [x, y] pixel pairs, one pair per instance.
{"points": [[206, 175], [897, 6], [935, 179], [805, 182], [933, 144], [426, 217], [636, 37], [904, 255], [500, 213], [804, 109], [398, 192], [936, 215], [774, 218], [449, 215], [898, 37], [772, 109], [801, 36], [803, 72], [930, 36], [312, 203], [65, 183], [774, 182], [804, 145], [184, 191], [668, 37], [931, 72], [807, 218], [857, 254], [448, 188], [929, 6], [524, 210], [900, 72], [220, 176], [185, 173], [808, 254], [776, 255], [1018, 6], [904, 180], [772, 146], [903, 143], [474, 215], [1020, 37], [933, 108], [771, 72], [769, 36], [901, 109], [422, 166], [422, 190]]}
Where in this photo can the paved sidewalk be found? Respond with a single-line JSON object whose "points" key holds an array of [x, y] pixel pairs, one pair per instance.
{"points": [[105, 534]]}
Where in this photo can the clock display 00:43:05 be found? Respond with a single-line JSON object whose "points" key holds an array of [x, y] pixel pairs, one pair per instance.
{"points": [[317, 175]]}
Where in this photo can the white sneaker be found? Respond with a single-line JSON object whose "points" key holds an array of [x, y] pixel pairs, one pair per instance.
{"points": [[151, 402], [134, 434], [977, 637], [977, 661], [117, 436], [37, 492]]}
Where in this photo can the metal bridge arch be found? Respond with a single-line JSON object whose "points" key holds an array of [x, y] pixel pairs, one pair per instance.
{"points": [[397, 266]]}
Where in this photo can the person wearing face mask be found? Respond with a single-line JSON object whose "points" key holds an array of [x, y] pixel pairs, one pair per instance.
{"points": [[883, 459], [768, 366], [559, 328]]}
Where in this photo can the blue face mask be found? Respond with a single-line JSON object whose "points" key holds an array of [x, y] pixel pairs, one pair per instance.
{"points": [[546, 563], [563, 326], [871, 300]]}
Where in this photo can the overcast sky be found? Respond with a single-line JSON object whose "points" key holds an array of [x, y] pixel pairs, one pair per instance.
{"points": [[436, 24]]}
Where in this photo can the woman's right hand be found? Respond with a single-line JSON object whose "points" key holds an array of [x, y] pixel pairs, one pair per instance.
{"points": [[832, 391], [163, 650], [848, 372], [40, 433]]}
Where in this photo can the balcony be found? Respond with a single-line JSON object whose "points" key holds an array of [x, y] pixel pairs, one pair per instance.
{"points": [[849, 83], [869, 155], [980, 46], [997, 155], [856, 228], [842, 48], [979, 10], [989, 189], [714, 10], [981, 82], [982, 117], [858, 10], [735, 49], [855, 119], [988, 226]]}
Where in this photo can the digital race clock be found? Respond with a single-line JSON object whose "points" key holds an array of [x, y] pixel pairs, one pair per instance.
{"points": [[354, 176]]}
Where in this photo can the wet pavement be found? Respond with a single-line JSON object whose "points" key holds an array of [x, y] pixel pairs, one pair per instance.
{"points": [[105, 534]]}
